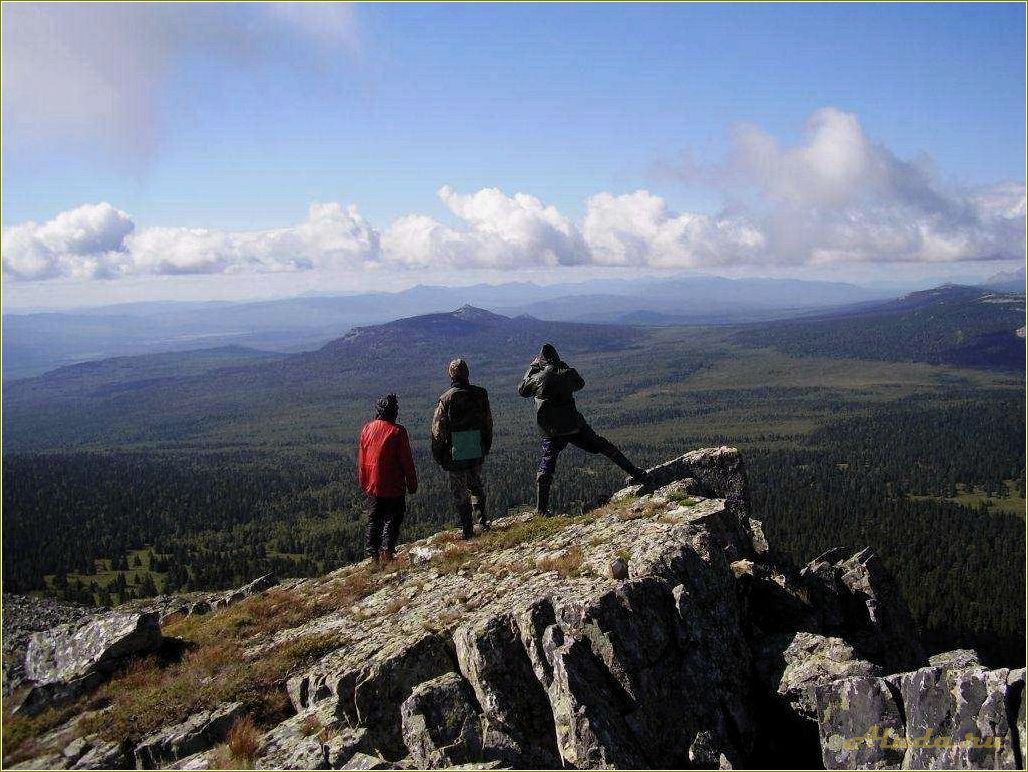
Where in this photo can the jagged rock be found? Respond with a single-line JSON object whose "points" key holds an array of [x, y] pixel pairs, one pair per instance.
{"points": [[1017, 683], [719, 473], [421, 554], [585, 703], [859, 596], [969, 708], [204, 760], [367, 683], [199, 732], [24, 615], [259, 584], [441, 726], [343, 743], [853, 715], [773, 602], [618, 569], [68, 660], [470, 656], [301, 742], [200, 607], [515, 709], [958, 659], [794, 666], [366, 761]]}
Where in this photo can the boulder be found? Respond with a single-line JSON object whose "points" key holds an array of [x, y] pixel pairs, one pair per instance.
{"points": [[518, 727], [365, 761], [441, 725], [258, 585], [68, 660], [587, 709], [300, 742], [857, 598], [341, 745], [197, 733], [958, 659], [1016, 681], [859, 720], [716, 473], [93, 752], [959, 718], [793, 666]]}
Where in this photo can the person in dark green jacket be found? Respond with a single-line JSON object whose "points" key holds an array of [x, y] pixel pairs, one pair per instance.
{"points": [[553, 383], [462, 435]]}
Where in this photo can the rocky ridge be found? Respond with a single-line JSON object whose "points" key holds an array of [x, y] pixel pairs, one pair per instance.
{"points": [[658, 631]]}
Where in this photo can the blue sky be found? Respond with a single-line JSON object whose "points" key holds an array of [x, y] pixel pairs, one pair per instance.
{"points": [[235, 121]]}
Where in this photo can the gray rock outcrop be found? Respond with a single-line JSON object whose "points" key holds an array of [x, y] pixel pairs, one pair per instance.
{"points": [[68, 660], [200, 732], [523, 649]]}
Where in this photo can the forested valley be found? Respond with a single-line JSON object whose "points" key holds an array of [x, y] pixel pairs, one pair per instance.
{"points": [[248, 470]]}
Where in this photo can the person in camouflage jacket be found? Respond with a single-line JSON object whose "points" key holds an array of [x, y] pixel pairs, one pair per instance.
{"points": [[553, 383], [462, 436]]}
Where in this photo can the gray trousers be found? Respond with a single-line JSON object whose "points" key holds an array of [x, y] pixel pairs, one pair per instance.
{"points": [[468, 494]]}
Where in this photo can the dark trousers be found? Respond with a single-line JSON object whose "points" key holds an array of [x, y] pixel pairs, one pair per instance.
{"points": [[385, 513], [468, 494], [586, 439]]}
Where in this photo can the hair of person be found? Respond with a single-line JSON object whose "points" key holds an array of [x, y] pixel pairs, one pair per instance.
{"points": [[458, 370], [387, 407]]}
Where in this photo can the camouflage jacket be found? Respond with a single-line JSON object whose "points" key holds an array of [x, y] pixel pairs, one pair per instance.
{"points": [[552, 385], [461, 407]]}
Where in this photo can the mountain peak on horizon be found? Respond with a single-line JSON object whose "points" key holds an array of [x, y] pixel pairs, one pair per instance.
{"points": [[469, 313]]}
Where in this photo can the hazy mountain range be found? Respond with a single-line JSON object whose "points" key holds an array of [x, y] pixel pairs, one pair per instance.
{"points": [[34, 343]]}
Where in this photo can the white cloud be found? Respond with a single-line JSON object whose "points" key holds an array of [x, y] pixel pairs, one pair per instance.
{"points": [[835, 197], [499, 231], [99, 241], [638, 229], [86, 242]]}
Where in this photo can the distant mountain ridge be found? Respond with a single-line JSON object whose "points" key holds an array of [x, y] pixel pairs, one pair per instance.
{"points": [[953, 324], [37, 342]]}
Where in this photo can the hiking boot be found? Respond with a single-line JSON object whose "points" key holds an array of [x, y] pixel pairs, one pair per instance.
{"points": [[638, 477], [542, 495]]}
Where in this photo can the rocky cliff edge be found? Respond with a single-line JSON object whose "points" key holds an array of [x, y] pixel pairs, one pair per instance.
{"points": [[658, 631]]}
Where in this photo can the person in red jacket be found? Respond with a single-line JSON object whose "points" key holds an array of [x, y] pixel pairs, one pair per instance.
{"points": [[385, 472]]}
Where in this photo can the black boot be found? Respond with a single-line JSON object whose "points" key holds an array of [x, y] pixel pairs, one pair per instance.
{"points": [[542, 494], [478, 512], [636, 476]]}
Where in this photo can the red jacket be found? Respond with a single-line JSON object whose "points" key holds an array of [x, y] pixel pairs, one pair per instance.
{"points": [[385, 466]]}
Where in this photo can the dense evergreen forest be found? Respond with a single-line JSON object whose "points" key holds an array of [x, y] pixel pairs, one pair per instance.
{"points": [[246, 471]]}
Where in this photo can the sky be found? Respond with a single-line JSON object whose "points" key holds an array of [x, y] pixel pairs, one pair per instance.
{"points": [[244, 150]]}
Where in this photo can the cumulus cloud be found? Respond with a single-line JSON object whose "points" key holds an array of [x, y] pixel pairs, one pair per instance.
{"points": [[94, 72], [86, 242], [639, 229], [835, 196], [99, 241], [498, 231]]}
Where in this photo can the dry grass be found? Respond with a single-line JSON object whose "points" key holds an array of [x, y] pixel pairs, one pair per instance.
{"points": [[309, 725], [352, 588], [567, 564], [243, 739], [445, 537], [20, 731], [647, 510], [149, 695], [456, 557]]}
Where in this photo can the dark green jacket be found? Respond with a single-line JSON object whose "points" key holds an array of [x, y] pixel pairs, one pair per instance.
{"points": [[461, 407], [552, 385]]}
